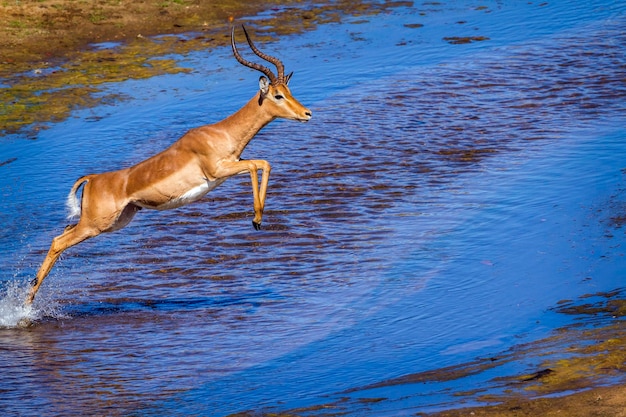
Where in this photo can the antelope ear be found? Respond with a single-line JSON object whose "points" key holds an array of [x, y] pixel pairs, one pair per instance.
{"points": [[264, 86], [288, 77]]}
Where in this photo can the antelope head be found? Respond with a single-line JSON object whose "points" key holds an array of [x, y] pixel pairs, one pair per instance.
{"points": [[274, 93]]}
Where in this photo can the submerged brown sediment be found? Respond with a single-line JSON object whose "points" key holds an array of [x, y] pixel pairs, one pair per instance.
{"points": [[561, 370], [589, 353]]}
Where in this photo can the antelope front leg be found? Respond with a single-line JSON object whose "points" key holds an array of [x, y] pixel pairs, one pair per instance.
{"points": [[251, 166], [265, 167]]}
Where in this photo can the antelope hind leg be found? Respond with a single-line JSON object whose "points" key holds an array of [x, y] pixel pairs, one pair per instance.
{"points": [[72, 235]]}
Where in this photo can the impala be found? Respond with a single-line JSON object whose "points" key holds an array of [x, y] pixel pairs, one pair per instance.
{"points": [[192, 166]]}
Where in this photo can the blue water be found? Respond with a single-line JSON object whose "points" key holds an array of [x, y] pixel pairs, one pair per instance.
{"points": [[441, 201]]}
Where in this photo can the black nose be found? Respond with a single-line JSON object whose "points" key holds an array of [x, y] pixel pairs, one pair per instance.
{"points": [[308, 113]]}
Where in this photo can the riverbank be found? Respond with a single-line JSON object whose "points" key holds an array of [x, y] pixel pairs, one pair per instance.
{"points": [[35, 32], [40, 35], [597, 402], [55, 54]]}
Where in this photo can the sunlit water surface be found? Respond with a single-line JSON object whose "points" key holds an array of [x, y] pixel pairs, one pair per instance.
{"points": [[441, 200]]}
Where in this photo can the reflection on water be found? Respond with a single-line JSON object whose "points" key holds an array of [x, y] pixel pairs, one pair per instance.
{"points": [[431, 212]]}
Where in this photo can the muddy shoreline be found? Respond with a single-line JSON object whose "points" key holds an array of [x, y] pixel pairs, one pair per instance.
{"points": [[37, 35], [36, 32], [55, 54], [605, 401]]}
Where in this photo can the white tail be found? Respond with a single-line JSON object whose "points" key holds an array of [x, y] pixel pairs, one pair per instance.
{"points": [[72, 204]]}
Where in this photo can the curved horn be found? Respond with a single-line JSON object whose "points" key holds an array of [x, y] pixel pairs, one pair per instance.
{"points": [[249, 64], [279, 65]]}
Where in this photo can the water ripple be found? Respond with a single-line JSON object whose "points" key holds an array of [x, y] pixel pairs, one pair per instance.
{"points": [[192, 307]]}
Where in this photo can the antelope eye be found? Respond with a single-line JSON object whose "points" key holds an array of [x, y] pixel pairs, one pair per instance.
{"points": [[278, 97]]}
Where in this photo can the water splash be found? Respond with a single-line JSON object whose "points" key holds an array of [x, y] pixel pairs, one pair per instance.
{"points": [[14, 313]]}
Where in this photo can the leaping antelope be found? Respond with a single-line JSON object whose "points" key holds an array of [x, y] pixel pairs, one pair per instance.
{"points": [[192, 166]]}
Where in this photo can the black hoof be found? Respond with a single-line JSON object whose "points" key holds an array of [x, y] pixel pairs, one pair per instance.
{"points": [[24, 323], [257, 226]]}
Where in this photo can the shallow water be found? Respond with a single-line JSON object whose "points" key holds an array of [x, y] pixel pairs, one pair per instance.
{"points": [[442, 199]]}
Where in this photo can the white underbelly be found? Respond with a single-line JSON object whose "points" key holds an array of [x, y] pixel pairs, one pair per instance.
{"points": [[194, 194]]}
